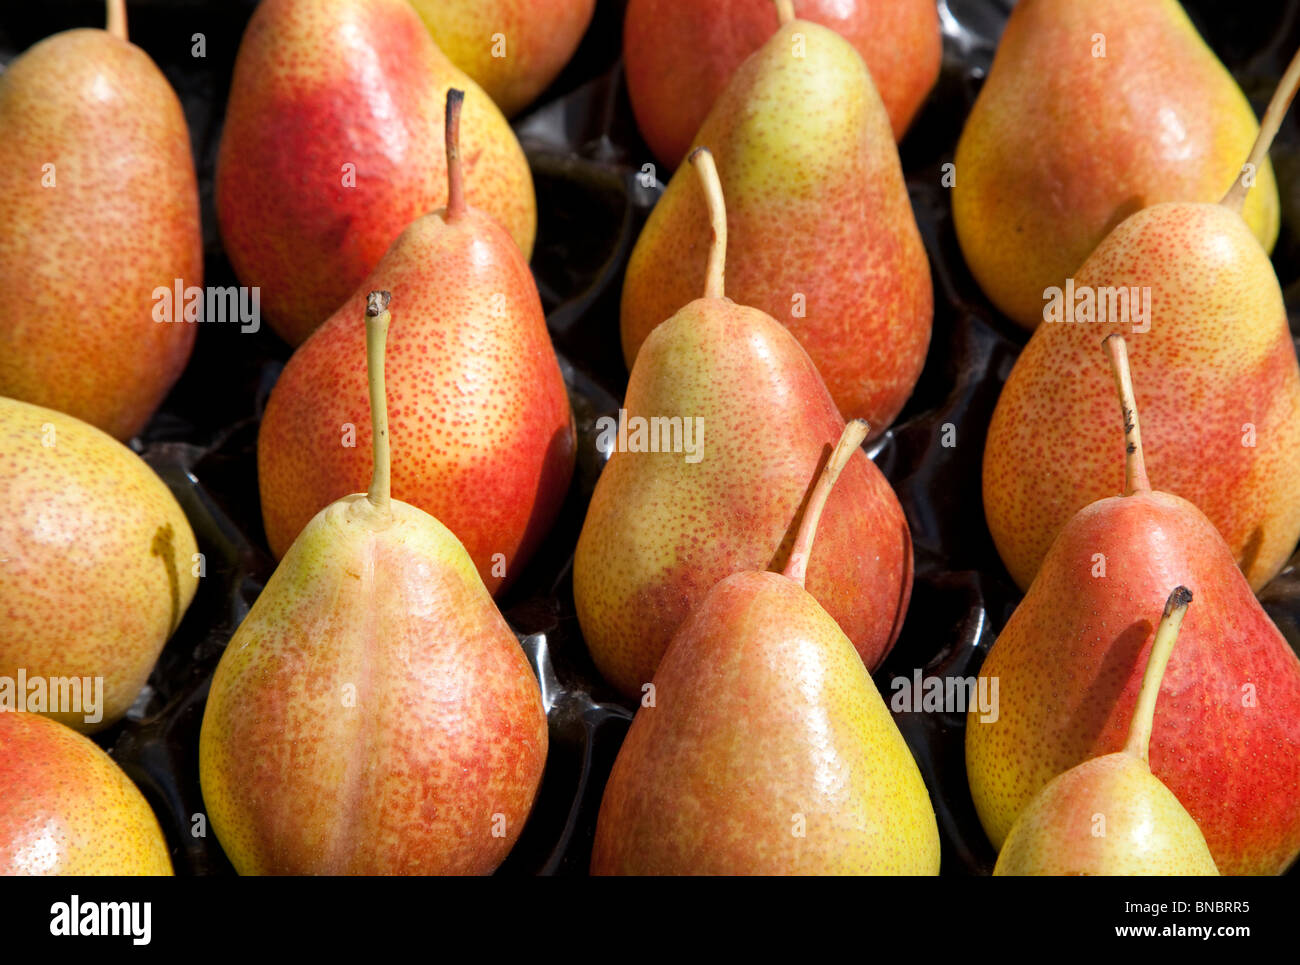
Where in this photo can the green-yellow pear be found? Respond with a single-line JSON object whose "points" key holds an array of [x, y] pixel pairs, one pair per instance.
{"points": [[99, 565], [763, 746], [373, 714], [67, 809], [822, 233], [1091, 111], [1110, 815]]}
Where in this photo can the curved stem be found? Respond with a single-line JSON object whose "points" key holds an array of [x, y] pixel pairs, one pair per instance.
{"points": [[455, 177], [1268, 127], [377, 318], [1135, 467], [1144, 714], [850, 439], [784, 11], [117, 19], [716, 274]]}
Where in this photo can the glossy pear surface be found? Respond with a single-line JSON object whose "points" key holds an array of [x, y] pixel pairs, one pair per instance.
{"points": [[820, 230], [1217, 384], [99, 207], [99, 561], [67, 809], [481, 428], [334, 143], [373, 714], [1092, 111], [1109, 815], [768, 751], [1226, 739], [511, 48], [679, 55], [661, 531]]}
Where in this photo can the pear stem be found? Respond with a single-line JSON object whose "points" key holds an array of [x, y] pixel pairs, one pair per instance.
{"points": [[1144, 714], [455, 177], [1268, 128], [784, 11], [715, 277], [1135, 467], [850, 439], [377, 319], [117, 19]]}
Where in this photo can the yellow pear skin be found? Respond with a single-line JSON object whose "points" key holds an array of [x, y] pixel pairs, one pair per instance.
{"points": [[1111, 815], [1063, 144], [99, 560]]}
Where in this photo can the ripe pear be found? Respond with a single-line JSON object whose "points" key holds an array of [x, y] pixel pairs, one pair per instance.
{"points": [[664, 527], [764, 746], [485, 437], [1227, 742], [1215, 345], [98, 561], [67, 809], [1111, 815], [679, 55], [511, 48], [333, 145], [1092, 111], [823, 235], [373, 714], [99, 208]]}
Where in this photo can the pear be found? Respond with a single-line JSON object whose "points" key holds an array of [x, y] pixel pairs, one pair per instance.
{"points": [[1227, 742], [823, 234], [373, 714], [1111, 815], [481, 405], [763, 746], [1092, 111], [1213, 342], [679, 55], [67, 809], [333, 145], [511, 48], [99, 213], [663, 527], [99, 564]]}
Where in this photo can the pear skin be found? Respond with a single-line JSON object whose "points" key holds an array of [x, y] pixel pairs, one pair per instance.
{"points": [[822, 231], [763, 746], [679, 55], [1111, 815], [664, 527], [1090, 112], [373, 713], [99, 558], [513, 49], [481, 422], [333, 144], [1227, 739], [67, 809], [1218, 347], [99, 208]]}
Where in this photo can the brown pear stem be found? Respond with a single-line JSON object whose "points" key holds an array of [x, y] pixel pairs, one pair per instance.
{"points": [[850, 439], [377, 318], [455, 177], [1144, 714], [117, 19], [1268, 128], [1135, 467], [784, 11], [715, 277]]}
